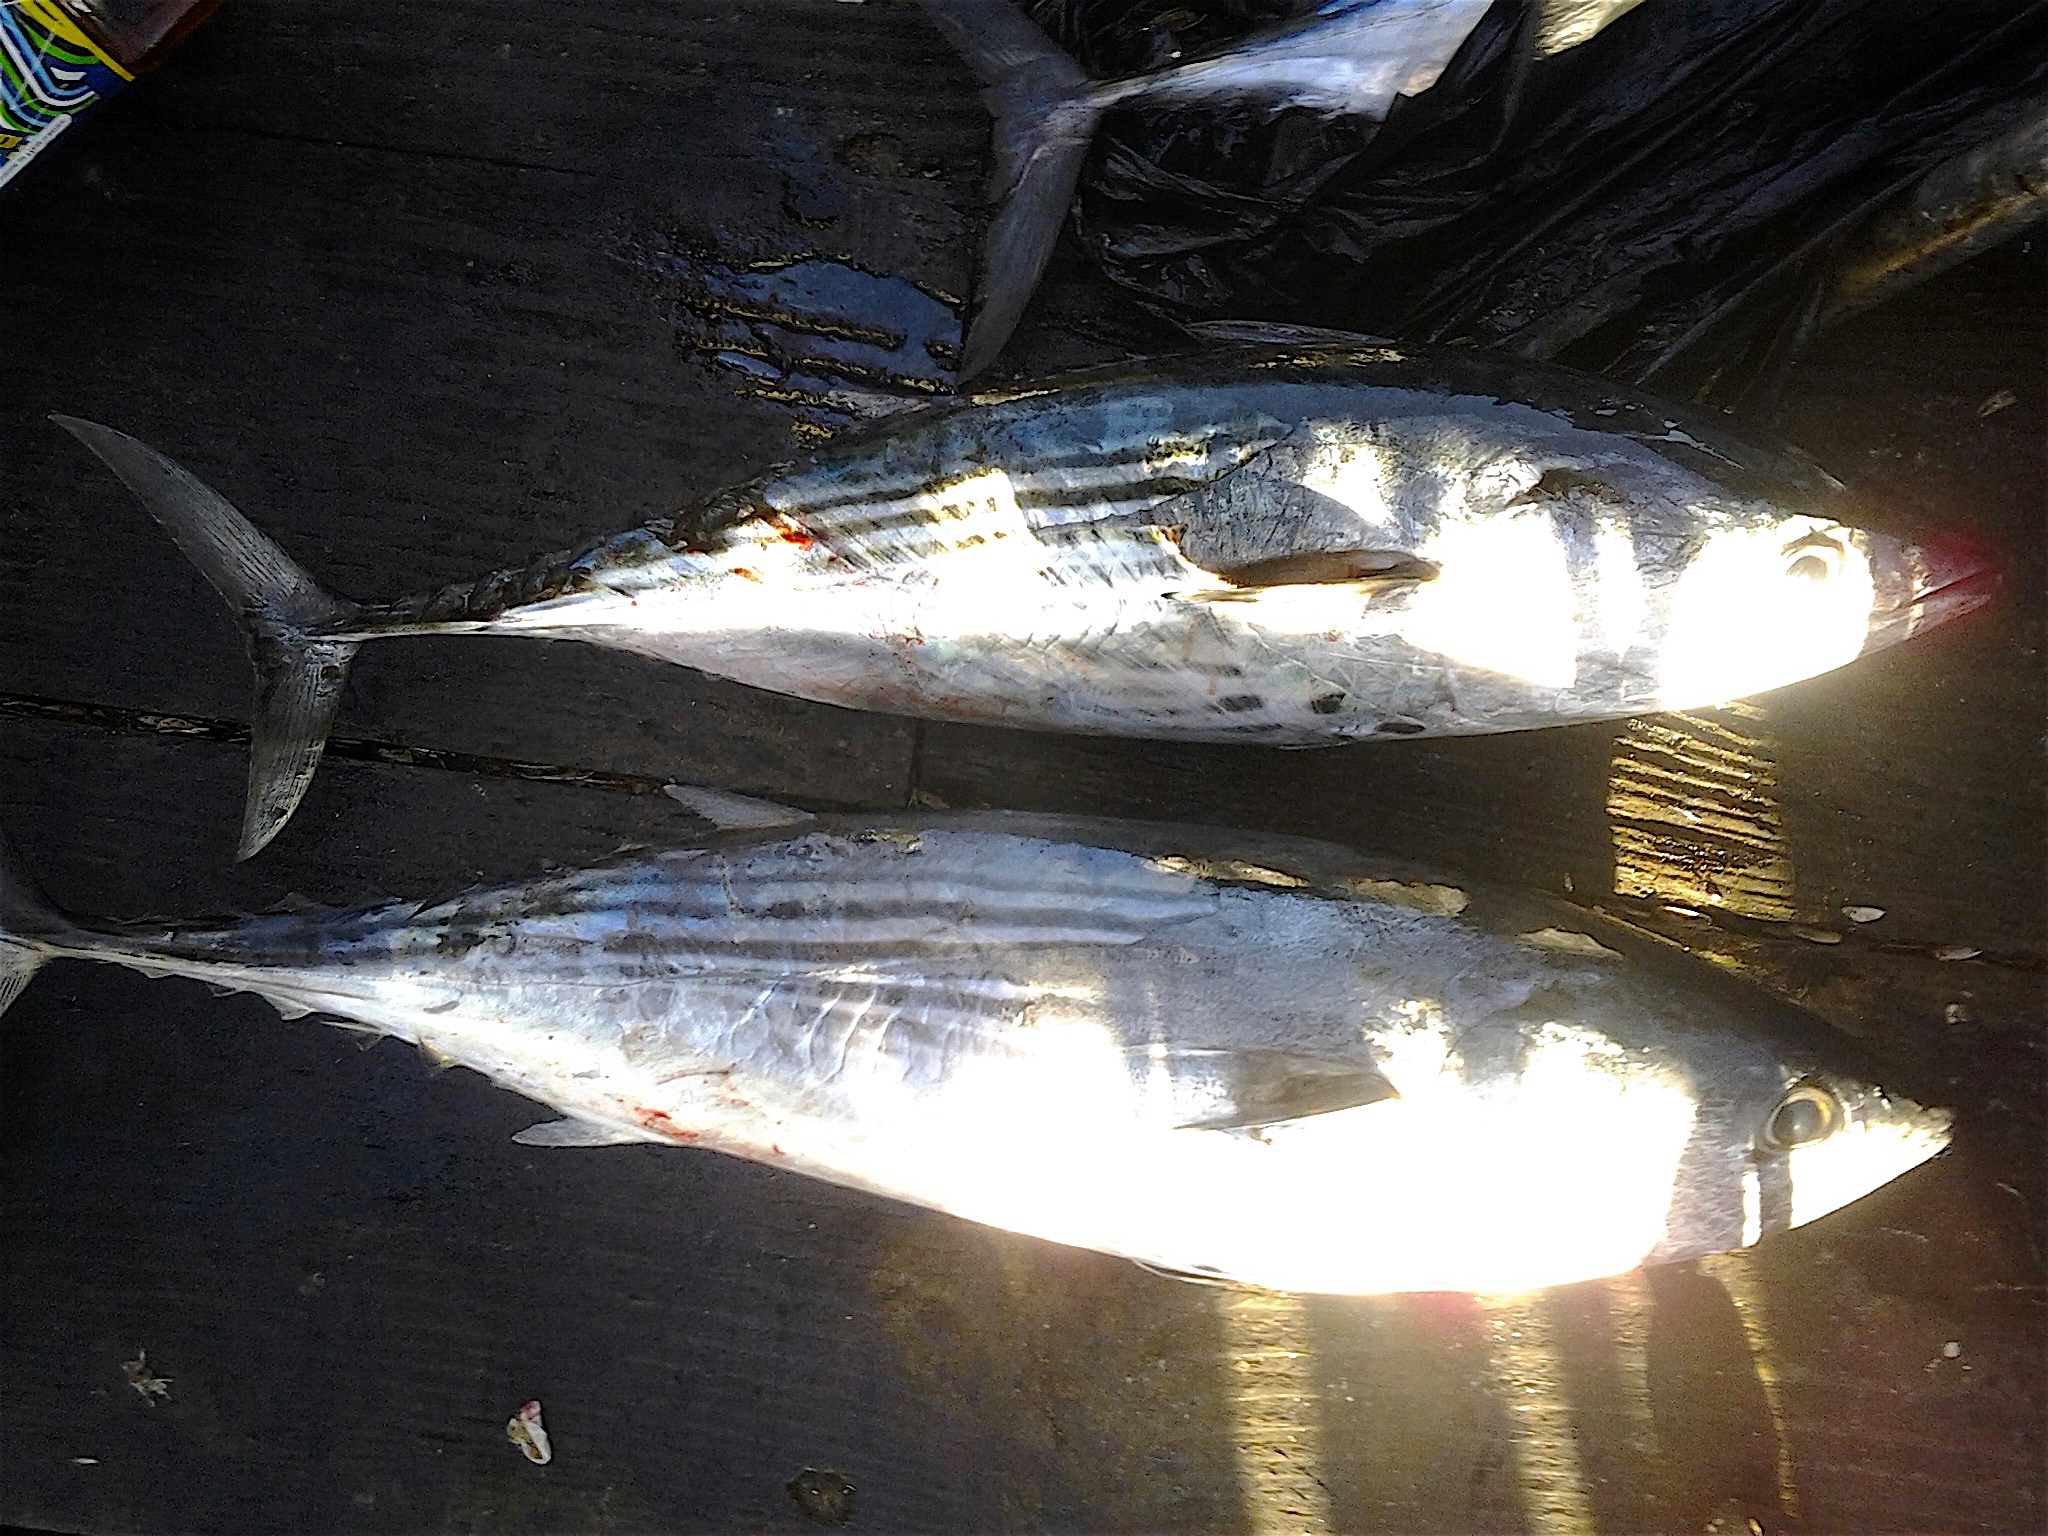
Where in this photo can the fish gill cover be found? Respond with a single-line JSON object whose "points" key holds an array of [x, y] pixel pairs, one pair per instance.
{"points": [[1662, 201]]}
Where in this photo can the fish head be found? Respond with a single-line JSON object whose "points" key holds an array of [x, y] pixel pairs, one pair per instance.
{"points": [[1597, 1123], [1763, 601], [1789, 1136], [1841, 1137]]}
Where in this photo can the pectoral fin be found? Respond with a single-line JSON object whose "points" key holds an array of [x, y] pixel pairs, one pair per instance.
{"points": [[1272, 1086], [1260, 527], [1321, 567], [576, 1133], [1209, 1089], [1186, 1276]]}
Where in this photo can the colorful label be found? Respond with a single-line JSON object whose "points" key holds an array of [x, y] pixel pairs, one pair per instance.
{"points": [[49, 73]]}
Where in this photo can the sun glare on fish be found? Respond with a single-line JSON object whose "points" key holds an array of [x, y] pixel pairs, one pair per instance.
{"points": [[1502, 599], [1621, 602], [1865, 1154], [1759, 607], [1518, 1192], [1347, 466], [1032, 1174]]}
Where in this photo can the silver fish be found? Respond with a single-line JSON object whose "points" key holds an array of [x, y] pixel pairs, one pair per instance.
{"points": [[1295, 546], [1348, 57], [1256, 1059]]}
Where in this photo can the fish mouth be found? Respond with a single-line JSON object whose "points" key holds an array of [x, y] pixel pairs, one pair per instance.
{"points": [[1883, 1140], [1935, 1128], [1922, 585]]}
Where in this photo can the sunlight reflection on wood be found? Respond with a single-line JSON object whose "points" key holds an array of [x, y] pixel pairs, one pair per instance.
{"points": [[1528, 1373], [1694, 810], [1738, 1277], [1278, 1423]]}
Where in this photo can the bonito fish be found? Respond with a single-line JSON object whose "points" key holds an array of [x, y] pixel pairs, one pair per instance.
{"points": [[1344, 57], [1292, 545], [1260, 1059]]}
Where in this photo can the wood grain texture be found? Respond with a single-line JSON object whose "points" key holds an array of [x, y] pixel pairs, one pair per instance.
{"points": [[412, 367], [370, 271]]}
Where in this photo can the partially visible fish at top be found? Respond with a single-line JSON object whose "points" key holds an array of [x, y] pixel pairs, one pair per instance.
{"points": [[1293, 545], [1255, 1059], [1346, 57]]}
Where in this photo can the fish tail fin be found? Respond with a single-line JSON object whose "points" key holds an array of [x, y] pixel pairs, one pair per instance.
{"points": [[282, 610], [1045, 114], [28, 922]]}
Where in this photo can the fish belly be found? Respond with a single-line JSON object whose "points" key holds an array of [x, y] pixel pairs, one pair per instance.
{"points": [[1303, 667], [1017, 1111]]}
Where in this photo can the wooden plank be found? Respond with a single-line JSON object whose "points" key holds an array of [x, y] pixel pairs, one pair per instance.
{"points": [[362, 268], [415, 367]]}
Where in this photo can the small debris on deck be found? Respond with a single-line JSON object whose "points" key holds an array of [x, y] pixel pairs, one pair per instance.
{"points": [[146, 1382], [525, 1430], [823, 1495]]}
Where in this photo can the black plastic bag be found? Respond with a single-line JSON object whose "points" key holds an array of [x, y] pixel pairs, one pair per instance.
{"points": [[1663, 202]]}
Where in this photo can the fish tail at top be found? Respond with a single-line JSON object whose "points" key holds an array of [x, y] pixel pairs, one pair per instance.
{"points": [[286, 618], [1045, 111]]}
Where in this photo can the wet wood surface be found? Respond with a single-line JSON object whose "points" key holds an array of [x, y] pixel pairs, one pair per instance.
{"points": [[424, 292]]}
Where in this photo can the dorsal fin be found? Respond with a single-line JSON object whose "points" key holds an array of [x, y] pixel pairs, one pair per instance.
{"points": [[726, 810]]}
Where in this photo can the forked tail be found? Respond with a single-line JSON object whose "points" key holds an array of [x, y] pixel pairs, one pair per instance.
{"points": [[282, 611], [28, 925], [1045, 114]]}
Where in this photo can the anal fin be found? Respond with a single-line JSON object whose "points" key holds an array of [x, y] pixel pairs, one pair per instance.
{"points": [[572, 1132]]}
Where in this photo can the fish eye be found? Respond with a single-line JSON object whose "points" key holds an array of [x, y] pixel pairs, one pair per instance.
{"points": [[1807, 1114], [1814, 556]]}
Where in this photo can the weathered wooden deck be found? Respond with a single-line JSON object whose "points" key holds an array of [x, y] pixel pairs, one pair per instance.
{"points": [[382, 275]]}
